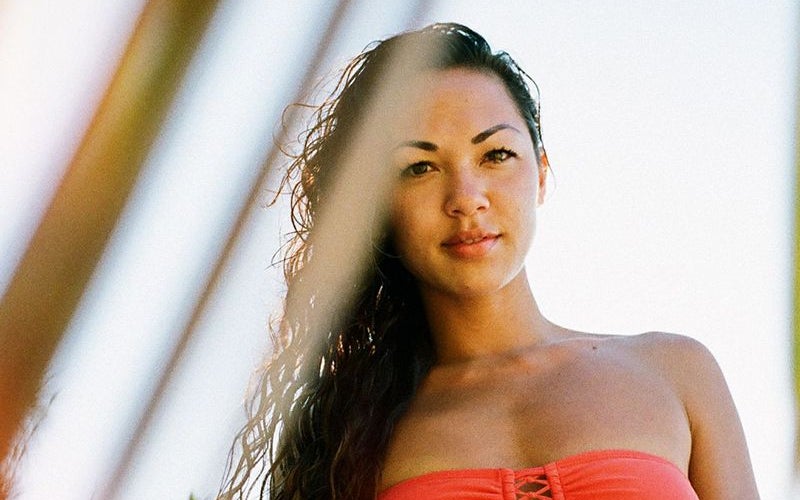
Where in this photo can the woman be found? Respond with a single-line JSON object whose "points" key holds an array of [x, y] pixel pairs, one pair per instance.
{"points": [[442, 379]]}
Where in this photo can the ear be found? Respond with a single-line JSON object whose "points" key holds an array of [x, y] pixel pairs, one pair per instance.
{"points": [[544, 167]]}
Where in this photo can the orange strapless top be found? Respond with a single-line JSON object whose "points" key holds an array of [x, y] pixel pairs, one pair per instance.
{"points": [[594, 475]]}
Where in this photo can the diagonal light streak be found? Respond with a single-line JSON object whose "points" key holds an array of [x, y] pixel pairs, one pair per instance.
{"points": [[333, 284], [53, 273], [245, 213]]}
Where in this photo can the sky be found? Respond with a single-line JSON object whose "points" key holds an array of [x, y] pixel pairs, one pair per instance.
{"points": [[669, 128]]}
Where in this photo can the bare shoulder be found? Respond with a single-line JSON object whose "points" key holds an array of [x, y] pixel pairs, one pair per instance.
{"points": [[720, 464], [661, 345], [687, 364], [682, 363], [683, 360]]}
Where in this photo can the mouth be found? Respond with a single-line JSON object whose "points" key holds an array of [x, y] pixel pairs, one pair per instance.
{"points": [[471, 244], [469, 237]]}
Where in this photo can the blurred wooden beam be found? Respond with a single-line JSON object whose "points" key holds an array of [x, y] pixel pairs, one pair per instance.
{"points": [[320, 53], [248, 205], [796, 280], [63, 253]]}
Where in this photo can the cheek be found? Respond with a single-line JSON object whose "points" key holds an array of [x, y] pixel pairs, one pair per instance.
{"points": [[405, 226], [413, 231], [522, 203]]}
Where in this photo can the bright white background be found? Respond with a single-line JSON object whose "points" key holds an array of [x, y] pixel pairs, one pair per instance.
{"points": [[669, 126]]}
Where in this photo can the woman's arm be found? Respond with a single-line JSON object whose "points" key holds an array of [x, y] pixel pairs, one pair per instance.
{"points": [[720, 467]]}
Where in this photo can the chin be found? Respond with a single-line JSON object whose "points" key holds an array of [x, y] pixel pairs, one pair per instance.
{"points": [[475, 287]]}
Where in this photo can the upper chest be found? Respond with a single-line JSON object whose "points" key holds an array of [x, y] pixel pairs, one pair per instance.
{"points": [[527, 414]]}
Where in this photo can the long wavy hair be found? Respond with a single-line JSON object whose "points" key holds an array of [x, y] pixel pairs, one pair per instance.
{"points": [[328, 400]]}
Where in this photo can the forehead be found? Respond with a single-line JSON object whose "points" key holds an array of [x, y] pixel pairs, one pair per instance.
{"points": [[459, 100]]}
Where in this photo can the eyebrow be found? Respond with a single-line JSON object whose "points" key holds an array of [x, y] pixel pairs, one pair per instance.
{"points": [[424, 145], [429, 146], [491, 130]]}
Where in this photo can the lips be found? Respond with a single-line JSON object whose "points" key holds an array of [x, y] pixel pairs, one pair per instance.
{"points": [[471, 244]]}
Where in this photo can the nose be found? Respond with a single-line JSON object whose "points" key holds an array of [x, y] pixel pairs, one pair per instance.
{"points": [[466, 195]]}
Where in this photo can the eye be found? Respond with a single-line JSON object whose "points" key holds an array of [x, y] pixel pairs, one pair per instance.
{"points": [[499, 155], [417, 169]]}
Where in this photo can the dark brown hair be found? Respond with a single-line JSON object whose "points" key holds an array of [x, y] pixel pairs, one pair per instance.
{"points": [[331, 395]]}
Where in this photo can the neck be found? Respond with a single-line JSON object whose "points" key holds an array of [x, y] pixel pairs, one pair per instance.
{"points": [[466, 328]]}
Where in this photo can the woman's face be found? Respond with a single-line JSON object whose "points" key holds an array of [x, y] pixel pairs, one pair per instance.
{"points": [[464, 207]]}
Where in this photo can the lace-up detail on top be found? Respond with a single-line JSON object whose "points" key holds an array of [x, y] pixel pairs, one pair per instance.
{"points": [[532, 487]]}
